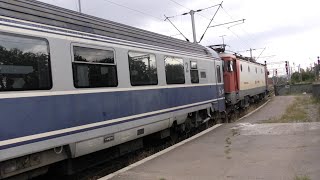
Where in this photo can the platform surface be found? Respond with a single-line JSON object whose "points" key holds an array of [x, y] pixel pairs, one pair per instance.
{"points": [[242, 150]]}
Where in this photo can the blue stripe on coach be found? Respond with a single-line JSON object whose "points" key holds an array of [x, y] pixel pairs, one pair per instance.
{"points": [[33, 115]]}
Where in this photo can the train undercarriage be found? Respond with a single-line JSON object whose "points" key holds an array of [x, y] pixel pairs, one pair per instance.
{"points": [[58, 160]]}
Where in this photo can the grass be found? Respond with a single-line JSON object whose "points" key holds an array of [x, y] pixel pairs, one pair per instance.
{"points": [[298, 111], [304, 177], [295, 112]]}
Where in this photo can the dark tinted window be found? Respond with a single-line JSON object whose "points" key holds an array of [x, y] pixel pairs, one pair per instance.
{"points": [[219, 80], [203, 74], [143, 69], [94, 68], [24, 63], [194, 73], [174, 70]]}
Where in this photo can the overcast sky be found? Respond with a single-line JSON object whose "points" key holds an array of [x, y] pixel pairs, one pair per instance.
{"points": [[289, 30]]}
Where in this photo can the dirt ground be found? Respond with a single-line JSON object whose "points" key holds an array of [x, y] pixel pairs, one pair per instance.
{"points": [[248, 149]]}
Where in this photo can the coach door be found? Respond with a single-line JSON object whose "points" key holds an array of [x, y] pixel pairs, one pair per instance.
{"points": [[219, 83]]}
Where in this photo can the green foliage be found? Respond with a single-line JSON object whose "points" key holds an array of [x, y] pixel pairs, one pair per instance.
{"points": [[304, 177], [304, 76], [17, 58]]}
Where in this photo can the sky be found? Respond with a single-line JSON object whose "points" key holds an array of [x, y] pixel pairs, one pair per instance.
{"points": [[278, 30]]}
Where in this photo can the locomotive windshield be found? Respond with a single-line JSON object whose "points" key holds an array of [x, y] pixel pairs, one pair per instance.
{"points": [[230, 66]]}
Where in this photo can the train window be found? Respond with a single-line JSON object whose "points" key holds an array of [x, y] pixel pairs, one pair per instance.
{"points": [[94, 68], [143, 69], [241, 67], [230, 66], [193, 65], [248, 68], [256, 70], [174, 70], [203, 74], [194, 73], [219, 80], [261, 71], [24, 63]]}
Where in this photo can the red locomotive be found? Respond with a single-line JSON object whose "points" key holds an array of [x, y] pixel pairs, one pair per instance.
{"points": [[245, 81]]}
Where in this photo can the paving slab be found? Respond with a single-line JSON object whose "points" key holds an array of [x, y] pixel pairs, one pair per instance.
{"points": [[242, 150]]}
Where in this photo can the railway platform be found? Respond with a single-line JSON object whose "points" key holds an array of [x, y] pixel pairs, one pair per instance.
{"points": [[246, 149]]}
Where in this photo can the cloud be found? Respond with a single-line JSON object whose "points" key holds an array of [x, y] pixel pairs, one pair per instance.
{"points": [[281, 26]]}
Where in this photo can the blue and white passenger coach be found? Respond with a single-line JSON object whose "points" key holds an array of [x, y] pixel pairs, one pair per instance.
{"points": [[72, 84]]}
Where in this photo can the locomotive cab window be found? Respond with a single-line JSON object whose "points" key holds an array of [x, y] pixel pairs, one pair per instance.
{"points": [[24, 63], [94, 68], [230, 66], [194, 73], [143, 69], [174, 70]]}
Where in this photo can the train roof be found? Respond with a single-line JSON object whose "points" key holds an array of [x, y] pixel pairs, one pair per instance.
{"points": [[39, 12], [239, 57], [221, 50]]}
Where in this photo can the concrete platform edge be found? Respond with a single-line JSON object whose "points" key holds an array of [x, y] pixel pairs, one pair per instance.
{"points": [[247, 115], [159, 153], [173, 147]]}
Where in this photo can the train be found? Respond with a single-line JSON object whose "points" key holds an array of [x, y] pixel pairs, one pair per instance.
{"points": [[245, 80], [72, 84]]}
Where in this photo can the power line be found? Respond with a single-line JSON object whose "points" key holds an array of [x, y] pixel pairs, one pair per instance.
{"points": [[135, 10], [236, 35], [241, 27], [190, 9], [176, 28], [220, 5], [179, 4]]}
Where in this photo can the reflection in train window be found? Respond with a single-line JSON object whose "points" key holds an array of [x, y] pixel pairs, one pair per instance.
{"points": [[174, 70], [24, 63], [94, 68], [143, 68], [230, 66]]}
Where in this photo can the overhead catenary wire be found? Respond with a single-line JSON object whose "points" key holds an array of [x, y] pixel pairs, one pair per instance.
{"points": [[135, 10], [241, 28], [190, 9], [176, 28], [236, 35], [220, 5], [192, 13]]}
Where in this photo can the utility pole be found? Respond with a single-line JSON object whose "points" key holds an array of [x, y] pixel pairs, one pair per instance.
{"points": [[79, 2], [193, 26], [250, 52]]}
